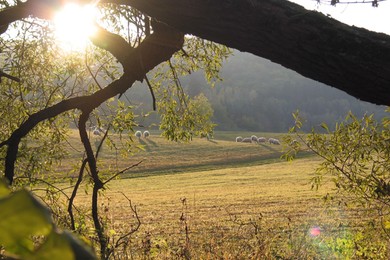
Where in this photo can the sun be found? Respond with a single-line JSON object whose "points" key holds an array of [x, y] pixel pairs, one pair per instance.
{"points": [[74, 24]]}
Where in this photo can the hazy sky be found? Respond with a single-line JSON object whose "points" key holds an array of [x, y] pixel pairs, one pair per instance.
{"points": [[361, 15]]}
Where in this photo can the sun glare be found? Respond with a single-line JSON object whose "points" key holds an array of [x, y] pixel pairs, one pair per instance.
{"points": [[74, 24]]}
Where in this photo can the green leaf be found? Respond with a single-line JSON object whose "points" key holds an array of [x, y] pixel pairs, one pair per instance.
{"points": [[55, 247], [63, 246], [21, 216], [387, 225], [80, 250], [325, 126]]}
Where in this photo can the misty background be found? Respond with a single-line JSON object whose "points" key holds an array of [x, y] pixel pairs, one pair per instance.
{"points": [[260, 96]]}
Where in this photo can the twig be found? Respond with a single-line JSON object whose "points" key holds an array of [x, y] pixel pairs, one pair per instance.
{"points": [[122, 171]]}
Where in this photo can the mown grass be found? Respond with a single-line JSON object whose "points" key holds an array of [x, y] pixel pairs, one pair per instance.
{"points": [[227, 200], [159, 155]]}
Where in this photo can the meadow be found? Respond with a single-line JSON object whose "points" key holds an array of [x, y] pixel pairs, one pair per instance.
{"points": [[220, 199]]}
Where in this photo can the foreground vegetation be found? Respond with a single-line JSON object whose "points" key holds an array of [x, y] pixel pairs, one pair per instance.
{"points": [[213, 199], [266, 211], [221, 199]]}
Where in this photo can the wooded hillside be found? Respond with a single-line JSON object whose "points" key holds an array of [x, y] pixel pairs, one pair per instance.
{"points": [[258, 95]]}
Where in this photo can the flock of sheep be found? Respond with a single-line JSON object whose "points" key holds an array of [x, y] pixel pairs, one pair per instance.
{"points": [[255, 139], [99, 131], [239, 139]]}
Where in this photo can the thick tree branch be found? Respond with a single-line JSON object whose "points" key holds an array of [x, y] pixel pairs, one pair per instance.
{"points": [[39, 8], [97, 183], [351, 59]]}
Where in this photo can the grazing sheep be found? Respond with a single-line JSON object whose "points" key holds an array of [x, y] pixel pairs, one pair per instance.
{"points": [[247, 140], [146, 134], [96, 132], [274, 141], [261, 140], [254, 138], [138, 134], [238, 139]]}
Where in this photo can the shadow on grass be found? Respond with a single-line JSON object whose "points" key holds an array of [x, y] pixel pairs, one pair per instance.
{"points": [[151, 142], [144, 144], [269, 148]]}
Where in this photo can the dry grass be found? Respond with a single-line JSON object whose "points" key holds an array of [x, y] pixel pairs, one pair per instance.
{"points": [[224, 200], [228, 212]]}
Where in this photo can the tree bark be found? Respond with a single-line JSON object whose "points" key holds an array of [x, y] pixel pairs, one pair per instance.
{"points": [[351, 59]]}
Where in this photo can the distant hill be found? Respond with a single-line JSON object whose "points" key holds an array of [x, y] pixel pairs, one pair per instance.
{"points": [[258, 95]]}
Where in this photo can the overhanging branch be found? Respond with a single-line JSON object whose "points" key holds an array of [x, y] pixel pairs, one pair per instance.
{"points": [[351, 59]]}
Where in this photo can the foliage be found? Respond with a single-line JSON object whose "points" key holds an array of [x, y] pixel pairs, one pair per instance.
{"points": [[28, 231], [181, 116], [356, 158], [180, 123]]}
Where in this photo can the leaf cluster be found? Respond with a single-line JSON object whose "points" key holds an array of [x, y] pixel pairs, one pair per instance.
{"points": [[356, 158], [28, 230]]}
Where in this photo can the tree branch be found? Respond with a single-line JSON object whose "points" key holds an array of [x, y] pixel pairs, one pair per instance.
{"points": [[74, 193], [351, 59], [97, 183]]}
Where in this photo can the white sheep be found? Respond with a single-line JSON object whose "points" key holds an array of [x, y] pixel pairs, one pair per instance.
{"points": [[96, 132], [146, 134], [254, 138], [138, 134], [247, 140], [238, 139], [261, 140], [274, 141]]}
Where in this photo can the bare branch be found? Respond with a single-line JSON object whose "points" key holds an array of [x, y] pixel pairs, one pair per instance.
{"points": [[122, 171], [74, 193], [151, 92], [3, 74]]}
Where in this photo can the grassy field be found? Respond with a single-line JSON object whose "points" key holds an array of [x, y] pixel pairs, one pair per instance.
{"points": [[225, 200], [159, 155]]}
